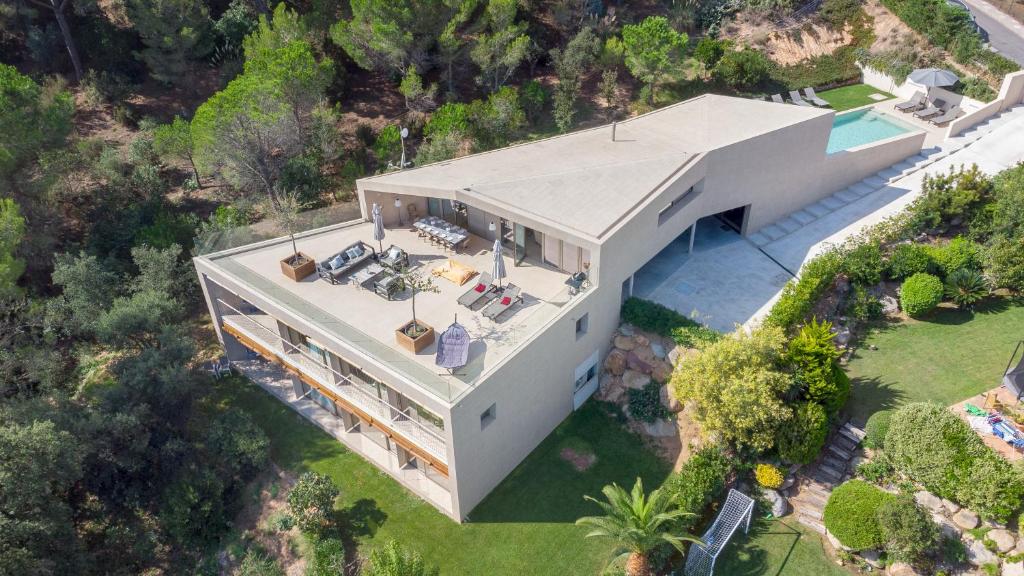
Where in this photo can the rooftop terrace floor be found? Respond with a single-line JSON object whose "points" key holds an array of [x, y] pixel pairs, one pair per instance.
{"points": [[366, 321]]}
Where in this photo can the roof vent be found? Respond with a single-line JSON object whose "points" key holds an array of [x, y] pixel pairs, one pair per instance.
{"points": [[614, 124]]}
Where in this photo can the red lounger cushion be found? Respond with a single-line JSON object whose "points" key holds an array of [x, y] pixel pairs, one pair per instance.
{"points": [[506, 301], [480, 288]]}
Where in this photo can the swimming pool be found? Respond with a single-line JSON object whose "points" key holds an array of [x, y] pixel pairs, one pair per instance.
{"points": [[856, 128]]}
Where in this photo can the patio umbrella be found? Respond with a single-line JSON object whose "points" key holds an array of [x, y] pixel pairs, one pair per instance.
{"points": [[378, 227], [499, 263], [452, 347], [933, 77]]}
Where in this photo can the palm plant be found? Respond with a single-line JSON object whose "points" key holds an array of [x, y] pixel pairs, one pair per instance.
{"points": [[638, 523], [966, 287], [392, 560]]}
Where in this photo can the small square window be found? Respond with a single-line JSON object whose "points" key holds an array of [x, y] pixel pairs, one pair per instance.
{"points": [[582, 323], [487, 417]]}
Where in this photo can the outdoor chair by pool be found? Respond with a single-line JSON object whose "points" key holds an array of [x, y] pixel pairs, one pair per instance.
{"points": [[794, 96], [481, 289], [345, 262], [916, 102], [507, 299], [934, 109], [946, 116], [394, 258], [813, 98], [778, 99]]}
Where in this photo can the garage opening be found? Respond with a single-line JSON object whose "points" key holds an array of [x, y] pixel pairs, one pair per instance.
{"points": [[735, 218]]}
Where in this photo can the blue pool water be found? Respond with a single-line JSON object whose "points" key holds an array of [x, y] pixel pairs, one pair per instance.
{"points": [[861, 127]]}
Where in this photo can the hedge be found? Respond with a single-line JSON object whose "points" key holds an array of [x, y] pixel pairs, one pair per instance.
{"points": [[700, 480], [909, 259], [800, 294], [920, 293], [851, 514], [876, 428], [653, 317]]}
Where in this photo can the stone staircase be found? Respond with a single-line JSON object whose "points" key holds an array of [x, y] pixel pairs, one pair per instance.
{"points": [[879, 180], [815, 483]]}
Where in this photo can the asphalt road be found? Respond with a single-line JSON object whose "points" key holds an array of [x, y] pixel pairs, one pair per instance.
{"points": [[1005, 34]]}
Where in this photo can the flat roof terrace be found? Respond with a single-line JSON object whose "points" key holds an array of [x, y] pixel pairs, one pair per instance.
{"points": [[367, 322]]}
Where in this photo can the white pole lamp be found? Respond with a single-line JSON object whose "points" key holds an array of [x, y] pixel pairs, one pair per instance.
{"points": [[398, 207]]}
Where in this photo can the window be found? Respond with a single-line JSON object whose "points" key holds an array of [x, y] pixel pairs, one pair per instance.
{"points": [[678, 203], [582, 323], [487, 417], [587, 376]]}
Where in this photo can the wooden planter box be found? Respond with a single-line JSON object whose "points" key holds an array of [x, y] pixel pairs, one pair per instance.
{"points": [[414, 345], [306, 267]]}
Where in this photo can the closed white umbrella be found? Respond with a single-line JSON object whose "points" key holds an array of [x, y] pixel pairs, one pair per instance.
{"points": [[933, 77], [499, 263], [378, 227]]}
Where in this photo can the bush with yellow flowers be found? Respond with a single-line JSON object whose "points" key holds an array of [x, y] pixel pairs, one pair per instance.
{"points": [[768, 476]]}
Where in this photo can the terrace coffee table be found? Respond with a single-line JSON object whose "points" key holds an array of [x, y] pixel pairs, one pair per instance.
{"points": [[367, 274]]}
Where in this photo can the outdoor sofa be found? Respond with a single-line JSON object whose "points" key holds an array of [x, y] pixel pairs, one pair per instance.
{"points": [[394, 258], [339, 265]]}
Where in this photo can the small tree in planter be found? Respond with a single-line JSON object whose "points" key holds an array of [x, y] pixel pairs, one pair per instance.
{"points": [[284, 210], [415, 335]]}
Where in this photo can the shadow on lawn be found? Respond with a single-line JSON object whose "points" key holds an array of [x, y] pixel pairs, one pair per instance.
{"points": [[742, 558], [869, 395]]}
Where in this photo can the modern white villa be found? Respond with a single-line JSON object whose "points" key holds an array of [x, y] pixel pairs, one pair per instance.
{"points": [[577, 216]]}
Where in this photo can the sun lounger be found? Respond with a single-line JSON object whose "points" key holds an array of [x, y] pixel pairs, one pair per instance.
{"points": [[478, 291], [935, 109], [946, 116], [508, 297], [916, 102], [813, 98], [778, 99], [794, 96]]}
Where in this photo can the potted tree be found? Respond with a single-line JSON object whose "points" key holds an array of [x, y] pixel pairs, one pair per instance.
{"points": [[284, 209], [415, 335]]}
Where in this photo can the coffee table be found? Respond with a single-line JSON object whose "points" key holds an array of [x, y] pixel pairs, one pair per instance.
{"points": [[371, 272]]}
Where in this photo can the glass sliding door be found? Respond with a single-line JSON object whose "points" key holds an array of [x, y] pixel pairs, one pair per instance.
{"points": [[520, 239]]}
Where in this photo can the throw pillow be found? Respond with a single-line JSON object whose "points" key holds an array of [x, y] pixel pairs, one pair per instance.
{"points": [[506, 301], [336, 262], [480, 288]]}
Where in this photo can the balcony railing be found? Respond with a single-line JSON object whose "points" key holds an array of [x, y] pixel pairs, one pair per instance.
{"points": [[301, 359]]}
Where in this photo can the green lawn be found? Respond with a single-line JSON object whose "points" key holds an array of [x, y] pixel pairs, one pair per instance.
{"points": [[853, 96], [526, 526], [947, 357], [777, 548]]}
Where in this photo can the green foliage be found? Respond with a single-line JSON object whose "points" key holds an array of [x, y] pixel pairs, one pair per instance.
{"points": [[737, 388], [533, 97], [570, 66], [977, 88], [876, 428], [86, 289], [12, 231], [838, 67], [814, 357], [699, 481], [863, 305], [920, 293], [800, 294], [174, 141], [960, 194], [934, 447], [863, 264], [449, 118], [258, 564], [299, 79], [966, 287], [957, 254], [1004, 263], [742, 69], [235, 23], [1008, 209], [417, 96], [393, 560], [907, 531], [838, 12], [652, 50], [193, 508], [693, 335], [908, 259], [851, 514], [237, 445], [391, 36], [328, 557], [388, 144], [503, 47], [709, 51], [311, 502], [174, 32], [645, 404], [801, 440], [877, 470], [33, 118], [494, 123]]}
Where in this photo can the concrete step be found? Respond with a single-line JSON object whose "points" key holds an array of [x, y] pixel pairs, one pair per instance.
{"points": [[814, 513], [804, 217], [826, 480], [853, 431], [833, 203], [846, 196], [790, 225], [834, 463], [848, 444], [849, 436], [861, 189], [830, 471], [811, 499], [812, 523], [840, 452], [773, 232], [818, 209], [876, 181], [758, 239], [890, 173], [812, 487]]}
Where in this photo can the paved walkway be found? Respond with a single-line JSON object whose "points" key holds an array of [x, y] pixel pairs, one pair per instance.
{"points": [[1005, 33]]}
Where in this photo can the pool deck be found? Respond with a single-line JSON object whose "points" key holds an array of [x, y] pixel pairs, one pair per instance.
{"points": [[933, 134]]}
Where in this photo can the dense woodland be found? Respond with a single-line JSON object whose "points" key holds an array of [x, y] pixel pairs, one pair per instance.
{"points": [[131, 131]]}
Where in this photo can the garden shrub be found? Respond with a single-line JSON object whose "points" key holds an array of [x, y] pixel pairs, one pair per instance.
{"points": [[863, 264], [907, 530], [801, 293], [256, 563], [863, 305], [645, 404], [387, 145], [653, 317], [327, 559], [877, 470], [966, 287], [920, 293], [700, 481], [957, 254], [311, 502], [934, 447], [742, 69], [960, 194], [909, 259], [768, 475], [1008, 208], [801, 440], [851, 514], [816, 371], [696, 336], [876, 428], [1004, 263], [977, 88]]}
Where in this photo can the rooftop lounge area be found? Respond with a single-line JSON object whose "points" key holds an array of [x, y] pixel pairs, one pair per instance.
{"points": [[347, 306]]}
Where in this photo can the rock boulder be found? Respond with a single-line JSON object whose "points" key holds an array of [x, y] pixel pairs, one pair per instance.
{"points": [[928, 500], [615, 362], [965, 519], [1013, 568], [901, 569], [779, 505], [635, 362], [635, 380], [624, 343], [668, 400], [1004, 539], [978, 555], [660, 428], [658, 350], [661, 371]]}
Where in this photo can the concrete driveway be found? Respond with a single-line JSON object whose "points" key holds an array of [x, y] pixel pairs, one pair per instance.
{"points": [[1006, 35]]}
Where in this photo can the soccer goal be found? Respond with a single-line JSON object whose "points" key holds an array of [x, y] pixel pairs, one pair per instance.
{"points": [[737, 510]]}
